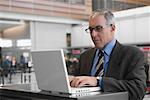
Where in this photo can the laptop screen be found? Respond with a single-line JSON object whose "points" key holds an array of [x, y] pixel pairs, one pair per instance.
{"points": [[50, 70]]}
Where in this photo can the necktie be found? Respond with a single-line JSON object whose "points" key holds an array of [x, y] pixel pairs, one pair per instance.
{"points": [[99, 66]]}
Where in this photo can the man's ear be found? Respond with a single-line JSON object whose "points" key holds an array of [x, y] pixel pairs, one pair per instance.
{"points": [[113, 27]]}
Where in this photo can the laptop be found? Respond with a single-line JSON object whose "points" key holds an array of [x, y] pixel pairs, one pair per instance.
{"points": [[51, 73]]}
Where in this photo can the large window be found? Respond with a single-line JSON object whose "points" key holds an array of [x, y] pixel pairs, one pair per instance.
{"points": [[5, 43], [24, 43]]}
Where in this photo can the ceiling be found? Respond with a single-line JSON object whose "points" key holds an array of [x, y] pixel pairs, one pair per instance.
{"points": [[129, 4], [5, 23], [118, 5], [142, 2]]}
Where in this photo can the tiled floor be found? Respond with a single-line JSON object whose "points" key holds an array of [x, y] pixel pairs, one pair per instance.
{"points": [[24, 78], [17, 79]]}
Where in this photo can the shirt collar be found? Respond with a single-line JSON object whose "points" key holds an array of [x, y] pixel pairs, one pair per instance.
{"points": [[108, 48]]}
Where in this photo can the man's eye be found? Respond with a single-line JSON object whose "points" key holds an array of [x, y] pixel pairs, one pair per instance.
{"points": [[98, 28]]}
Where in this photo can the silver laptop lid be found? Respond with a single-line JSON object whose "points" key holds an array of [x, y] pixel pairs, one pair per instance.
{"points": [[50, 70]]}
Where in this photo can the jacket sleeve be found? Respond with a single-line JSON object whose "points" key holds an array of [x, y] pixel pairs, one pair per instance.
{"points": [[134, 78]]}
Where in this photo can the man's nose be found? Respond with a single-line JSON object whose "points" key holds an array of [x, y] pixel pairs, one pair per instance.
{"points": [[93, 33]]}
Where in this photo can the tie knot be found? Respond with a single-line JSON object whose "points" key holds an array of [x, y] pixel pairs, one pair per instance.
{"points": [[101, 53]]}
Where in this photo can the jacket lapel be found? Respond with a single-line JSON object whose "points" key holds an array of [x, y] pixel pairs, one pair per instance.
{"points": [[114, 59], [91, 54]]}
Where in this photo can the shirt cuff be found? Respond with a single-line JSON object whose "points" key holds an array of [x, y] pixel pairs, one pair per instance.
{"points": [[99, 81]]}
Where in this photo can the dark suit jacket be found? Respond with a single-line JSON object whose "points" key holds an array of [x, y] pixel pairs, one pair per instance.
{"points": [[125, 71]]}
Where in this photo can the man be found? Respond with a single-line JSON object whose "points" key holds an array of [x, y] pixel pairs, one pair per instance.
{"points": [[123, 66]]}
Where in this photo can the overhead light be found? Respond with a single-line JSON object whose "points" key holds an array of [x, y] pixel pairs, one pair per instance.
{"points": [[8, 21]]}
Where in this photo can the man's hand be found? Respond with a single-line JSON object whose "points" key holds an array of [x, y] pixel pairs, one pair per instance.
{"points": [[80, 81], [71, 78]]}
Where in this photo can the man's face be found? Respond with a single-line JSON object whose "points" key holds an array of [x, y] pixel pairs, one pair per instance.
{"points": [[106, 33]]}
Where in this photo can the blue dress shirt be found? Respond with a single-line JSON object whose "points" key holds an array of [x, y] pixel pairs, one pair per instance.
{"points": [[107, 51]]}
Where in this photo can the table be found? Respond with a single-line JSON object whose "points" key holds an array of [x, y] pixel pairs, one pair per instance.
{"points": [[23, 92]]}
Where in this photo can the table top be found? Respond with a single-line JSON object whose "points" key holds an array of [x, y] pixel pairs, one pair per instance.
{"points": [[25, 89]]}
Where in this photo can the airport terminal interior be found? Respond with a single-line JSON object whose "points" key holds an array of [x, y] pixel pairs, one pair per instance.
{"points": [[30, 25]]}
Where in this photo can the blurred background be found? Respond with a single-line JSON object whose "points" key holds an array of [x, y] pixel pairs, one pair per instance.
{"points": [[27, 25]]}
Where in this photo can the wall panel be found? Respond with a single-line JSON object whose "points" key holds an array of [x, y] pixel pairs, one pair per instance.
{"points": [[48, 8]]}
